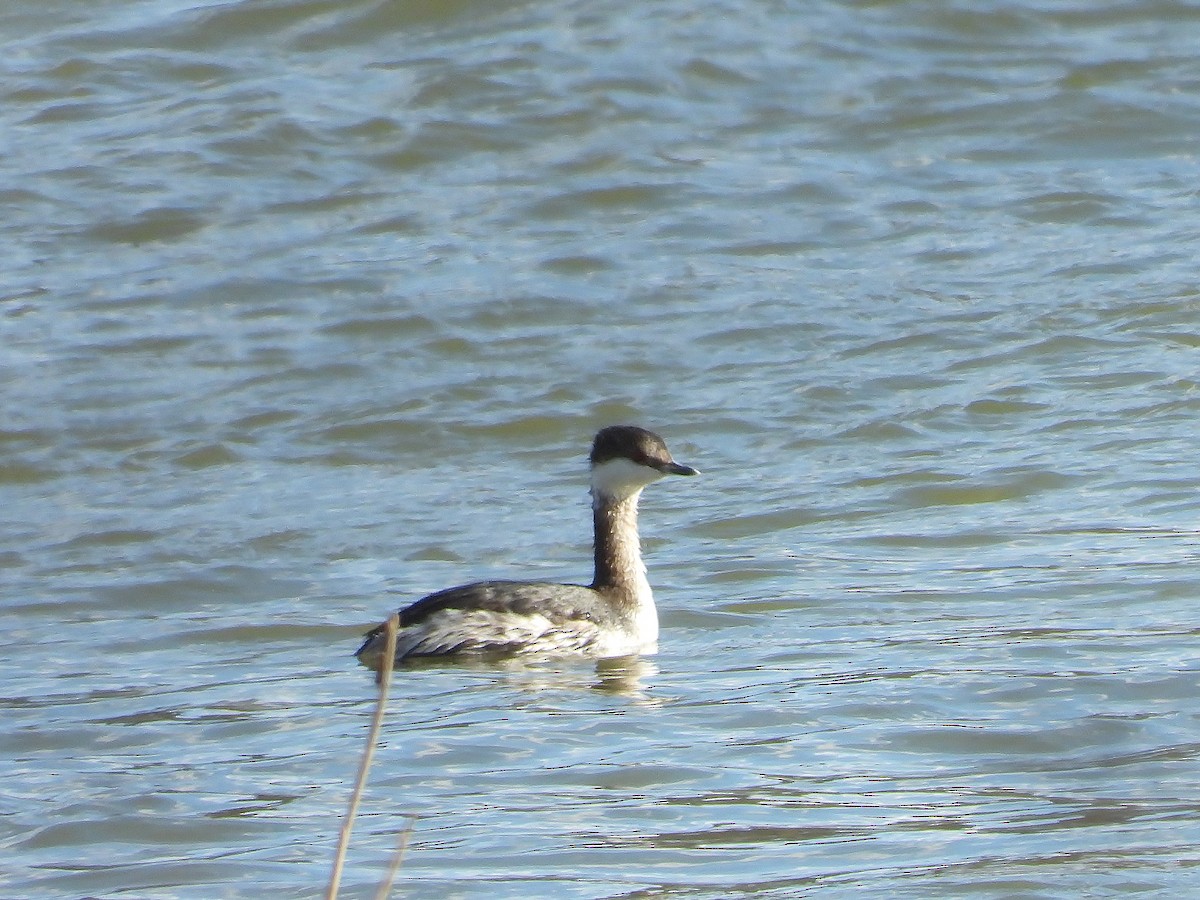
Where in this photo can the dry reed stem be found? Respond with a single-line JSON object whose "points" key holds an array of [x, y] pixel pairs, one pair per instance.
{"points": [[364, 765], [385, 888]]}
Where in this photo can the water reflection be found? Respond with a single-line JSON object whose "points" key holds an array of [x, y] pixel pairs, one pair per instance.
{"points": [[627, 676]]}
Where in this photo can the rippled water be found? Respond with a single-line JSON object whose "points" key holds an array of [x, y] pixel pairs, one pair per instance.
{"points": [[310, 307]]}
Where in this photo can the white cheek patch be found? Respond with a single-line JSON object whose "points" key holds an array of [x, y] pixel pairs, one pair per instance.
{"points": [[622, 478]]}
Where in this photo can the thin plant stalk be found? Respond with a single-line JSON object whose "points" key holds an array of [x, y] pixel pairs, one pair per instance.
{"points": [[364, 765], [385, 888]]}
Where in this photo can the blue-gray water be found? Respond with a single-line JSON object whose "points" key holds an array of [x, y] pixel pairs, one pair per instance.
{"points": [[307, 307]]}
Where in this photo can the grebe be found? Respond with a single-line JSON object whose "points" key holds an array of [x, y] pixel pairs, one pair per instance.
{"points": [[613, 616]]}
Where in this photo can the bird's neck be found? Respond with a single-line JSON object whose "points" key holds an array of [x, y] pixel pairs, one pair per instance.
{"points": [[619, 566]]}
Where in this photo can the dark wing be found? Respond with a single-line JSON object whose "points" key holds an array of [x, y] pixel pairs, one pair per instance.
{"points": [[507, 600], [523, 598]]}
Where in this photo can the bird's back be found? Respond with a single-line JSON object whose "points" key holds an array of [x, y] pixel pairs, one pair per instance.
{"points": [[500, 617]]}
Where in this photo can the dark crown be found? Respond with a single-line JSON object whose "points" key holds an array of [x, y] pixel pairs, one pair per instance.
{"points": [[630, 442]]}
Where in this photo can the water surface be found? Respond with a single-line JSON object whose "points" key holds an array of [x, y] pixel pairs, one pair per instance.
{"points": [[309, 308]]}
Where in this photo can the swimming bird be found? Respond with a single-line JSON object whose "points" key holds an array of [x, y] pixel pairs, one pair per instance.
{"points": [[613, 616]]}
